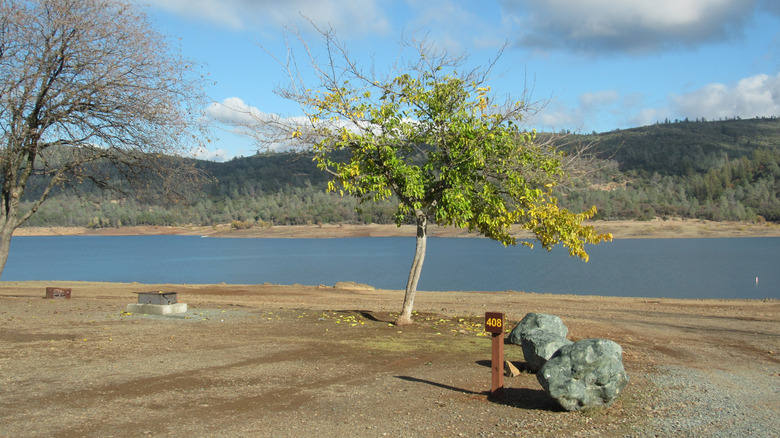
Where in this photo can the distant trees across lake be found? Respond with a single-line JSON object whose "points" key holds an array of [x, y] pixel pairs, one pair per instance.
{"points": [[721, 170]]}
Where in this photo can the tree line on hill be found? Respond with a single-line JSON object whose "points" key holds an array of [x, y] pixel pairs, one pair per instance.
{"points": [[714, 170]]}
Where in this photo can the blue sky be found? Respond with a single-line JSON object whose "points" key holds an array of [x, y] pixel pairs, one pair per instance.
{"points": [[602, 64]]}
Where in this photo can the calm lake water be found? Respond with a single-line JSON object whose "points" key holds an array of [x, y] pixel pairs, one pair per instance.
{"points": [[676, 268]]}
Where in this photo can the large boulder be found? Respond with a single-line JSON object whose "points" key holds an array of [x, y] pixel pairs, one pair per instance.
{"points": [[584, 375], [532, 321], [539, 345], [540, 335]]}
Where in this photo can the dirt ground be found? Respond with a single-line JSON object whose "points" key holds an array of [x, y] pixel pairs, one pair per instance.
{"points": [[304, 361], [619, 229]]}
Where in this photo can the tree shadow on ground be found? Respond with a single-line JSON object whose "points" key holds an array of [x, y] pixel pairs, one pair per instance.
{"points": [[521, 398], [369, 315]]}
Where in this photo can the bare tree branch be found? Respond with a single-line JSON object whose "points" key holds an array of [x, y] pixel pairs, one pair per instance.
{"points": [[85, 86]]}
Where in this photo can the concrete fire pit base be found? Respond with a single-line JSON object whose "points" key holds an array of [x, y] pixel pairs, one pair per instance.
{"points": [[157, 309]]}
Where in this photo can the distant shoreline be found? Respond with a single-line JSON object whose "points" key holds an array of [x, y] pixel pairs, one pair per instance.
{"points": [[619, 229]]}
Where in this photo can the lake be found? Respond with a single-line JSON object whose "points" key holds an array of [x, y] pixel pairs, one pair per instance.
{"points": [[675, 268]]}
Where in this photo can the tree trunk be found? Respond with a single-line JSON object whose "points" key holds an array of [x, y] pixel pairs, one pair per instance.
{"points": [[405, 317], [7, 227], [5, 246]]}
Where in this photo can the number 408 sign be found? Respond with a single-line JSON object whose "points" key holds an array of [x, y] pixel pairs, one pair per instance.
{"points": [[494, 322]]}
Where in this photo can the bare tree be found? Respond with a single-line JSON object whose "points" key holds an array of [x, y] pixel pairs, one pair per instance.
{"points": [[88, 92]]}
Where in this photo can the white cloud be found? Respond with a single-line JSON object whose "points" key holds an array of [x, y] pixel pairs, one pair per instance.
{"points": [[349, 17], [211, 155], [755, 96], [555, 117], [269, 131], [597, 110], [595, 26], [234, 111]]}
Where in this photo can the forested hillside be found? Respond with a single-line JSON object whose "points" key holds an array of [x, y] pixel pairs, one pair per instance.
{"points": [[716, 170]]}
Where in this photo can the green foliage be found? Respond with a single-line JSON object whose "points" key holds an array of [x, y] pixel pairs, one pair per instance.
{"points": [[434, 142], [263, 173], [241, 225], [685, 148], [290, 206], [742, 189], [433, 137]]}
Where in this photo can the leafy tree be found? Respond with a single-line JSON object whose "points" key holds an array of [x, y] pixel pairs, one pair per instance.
{"points": [[432, 137], [88, 92]]}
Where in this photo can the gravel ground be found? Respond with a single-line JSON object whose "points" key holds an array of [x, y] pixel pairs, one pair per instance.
{"points": [[715, 403]]}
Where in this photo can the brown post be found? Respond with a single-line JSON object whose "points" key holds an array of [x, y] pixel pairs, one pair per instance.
{"points": [[494, 323]]}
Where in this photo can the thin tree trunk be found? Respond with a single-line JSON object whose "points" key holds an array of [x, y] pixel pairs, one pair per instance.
{"points": [[414, 273], [5, 247], [7, 228]]}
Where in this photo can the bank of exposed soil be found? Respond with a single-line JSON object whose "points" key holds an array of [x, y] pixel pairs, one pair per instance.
{"points": [[619, 229], [269, 360]]}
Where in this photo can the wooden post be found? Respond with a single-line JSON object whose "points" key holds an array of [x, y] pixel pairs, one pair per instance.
{"points": [[494, 324]]}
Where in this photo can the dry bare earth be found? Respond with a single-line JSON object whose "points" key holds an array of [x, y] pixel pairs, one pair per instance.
{"points": [[620, 230], [295, 361]]}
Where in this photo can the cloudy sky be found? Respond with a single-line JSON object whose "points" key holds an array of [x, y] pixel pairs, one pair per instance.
{"points": [[602, 64]]}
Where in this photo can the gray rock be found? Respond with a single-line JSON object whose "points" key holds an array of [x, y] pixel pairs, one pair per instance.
{"points": [[539, 345], [531, 321], [584, 375]]}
